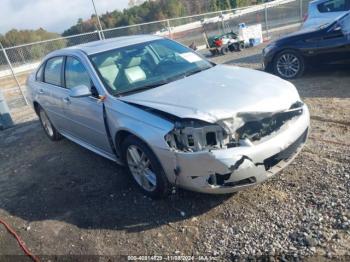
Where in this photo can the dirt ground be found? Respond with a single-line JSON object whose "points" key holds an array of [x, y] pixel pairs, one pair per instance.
{"points": [[65, 201]]}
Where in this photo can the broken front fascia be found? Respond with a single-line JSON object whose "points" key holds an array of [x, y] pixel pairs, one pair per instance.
{"points": [[226, 170], [245, 128]]}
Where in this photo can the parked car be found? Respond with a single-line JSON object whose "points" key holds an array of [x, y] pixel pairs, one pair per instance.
{"points": [[289, 56], [171, 116], [322, 12]]}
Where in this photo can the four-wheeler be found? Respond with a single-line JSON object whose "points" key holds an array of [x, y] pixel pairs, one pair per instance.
{"points": [[222, 44]]}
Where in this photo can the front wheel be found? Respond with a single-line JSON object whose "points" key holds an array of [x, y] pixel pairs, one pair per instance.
{"points": [[145, 168], [289, 64]]}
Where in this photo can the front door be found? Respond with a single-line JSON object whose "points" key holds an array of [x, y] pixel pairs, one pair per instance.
{"points": [[84, 115], [334, 45]]}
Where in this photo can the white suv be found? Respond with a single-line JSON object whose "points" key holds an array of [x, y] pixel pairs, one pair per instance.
{"points": [[325, 11]]}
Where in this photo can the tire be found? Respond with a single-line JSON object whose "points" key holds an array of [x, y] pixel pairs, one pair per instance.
{"points": [[213, 52], [48, 127], [150, 178], [224, 50], [289, 64], [232, 47]]}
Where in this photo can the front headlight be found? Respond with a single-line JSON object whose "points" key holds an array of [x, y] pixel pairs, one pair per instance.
{"points": [[195, 135]]}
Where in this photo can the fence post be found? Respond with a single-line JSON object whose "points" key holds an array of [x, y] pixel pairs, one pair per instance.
{"points": [[102, 35], [301, 10], [266, 23], [99, 35], [169, 29], [13, 74], [222, 22]]}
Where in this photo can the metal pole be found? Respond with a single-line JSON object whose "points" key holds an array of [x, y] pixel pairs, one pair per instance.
{"points": [[98, 18], [169, 29], [13, 74], [301, 10], [266, 22], [99, 35], [222, 22]]}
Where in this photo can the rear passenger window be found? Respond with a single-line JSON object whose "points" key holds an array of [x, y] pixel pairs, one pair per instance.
{"points": [[40, 74], [76, 74], [333, 6], [53, 71]]}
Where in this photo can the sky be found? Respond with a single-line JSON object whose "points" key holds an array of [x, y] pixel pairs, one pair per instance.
{"points": [[52, 15]]}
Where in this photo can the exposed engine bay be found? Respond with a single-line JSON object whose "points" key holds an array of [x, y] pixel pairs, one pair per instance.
{"points": [[190, 135]]}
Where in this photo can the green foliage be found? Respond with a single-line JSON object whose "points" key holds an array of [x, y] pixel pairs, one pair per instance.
{"points": [[30, 52], [17, 37], [147, 11], [152, 11]]}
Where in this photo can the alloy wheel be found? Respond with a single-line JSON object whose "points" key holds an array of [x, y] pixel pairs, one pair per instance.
{"points": [[288, 65], [141, 168]]}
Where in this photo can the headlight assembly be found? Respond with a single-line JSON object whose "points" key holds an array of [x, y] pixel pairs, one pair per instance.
{"points": [[194, 135]]}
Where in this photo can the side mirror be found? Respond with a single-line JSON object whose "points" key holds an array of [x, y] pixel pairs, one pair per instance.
{"points": [[80, 91]]}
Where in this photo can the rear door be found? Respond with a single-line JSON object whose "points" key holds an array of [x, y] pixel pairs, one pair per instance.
{"points": [[84, 115], [50, 90]]}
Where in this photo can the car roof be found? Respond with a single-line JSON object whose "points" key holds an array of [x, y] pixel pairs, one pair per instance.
{"points": [[107, 44]]}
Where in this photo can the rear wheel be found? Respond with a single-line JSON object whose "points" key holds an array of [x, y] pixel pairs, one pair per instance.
{"points": [[145, 168], [49, 129], [224, 50], [289, 64], [213, 52]]}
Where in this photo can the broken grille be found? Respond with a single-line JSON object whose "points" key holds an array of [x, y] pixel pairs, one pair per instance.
{"points": [[255, 130], [285, 154]]}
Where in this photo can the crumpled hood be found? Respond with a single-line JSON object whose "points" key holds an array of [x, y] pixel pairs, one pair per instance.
{"points": [[219, 93]]}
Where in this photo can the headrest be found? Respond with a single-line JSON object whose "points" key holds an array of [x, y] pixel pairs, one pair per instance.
{"points": [[134, 61], [108, 62]]}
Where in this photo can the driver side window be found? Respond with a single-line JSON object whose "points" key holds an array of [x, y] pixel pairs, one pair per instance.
{"points": [[76, 74], [333, 6]]}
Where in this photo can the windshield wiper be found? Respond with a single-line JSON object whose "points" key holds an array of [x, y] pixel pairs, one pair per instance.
{"points": [[193, 72], [142, 88]]}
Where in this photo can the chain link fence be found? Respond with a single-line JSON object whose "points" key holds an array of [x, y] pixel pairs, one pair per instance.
{"points": [[186, 30]]}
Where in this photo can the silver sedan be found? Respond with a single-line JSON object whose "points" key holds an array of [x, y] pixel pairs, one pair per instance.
{"points": [[168, 114]]}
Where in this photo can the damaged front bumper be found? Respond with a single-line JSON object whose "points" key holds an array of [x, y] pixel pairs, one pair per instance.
{"points": [[234, 169]]}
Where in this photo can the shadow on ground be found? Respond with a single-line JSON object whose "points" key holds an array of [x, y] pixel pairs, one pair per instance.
{"points": [[44, 180], [326, 81]]}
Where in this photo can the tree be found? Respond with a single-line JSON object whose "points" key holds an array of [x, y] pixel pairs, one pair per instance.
{"points": [[213, 6]]}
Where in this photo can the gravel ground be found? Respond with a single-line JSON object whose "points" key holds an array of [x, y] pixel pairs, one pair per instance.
{"points": [[66, 201]]}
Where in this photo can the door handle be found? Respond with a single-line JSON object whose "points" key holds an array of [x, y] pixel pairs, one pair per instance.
{"points": [[66, 100], [41, 91]]}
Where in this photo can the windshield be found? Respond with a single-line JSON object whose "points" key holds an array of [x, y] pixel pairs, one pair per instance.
{"points": [[344, 23], [340, 21], [143, 66]]}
